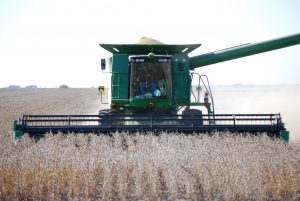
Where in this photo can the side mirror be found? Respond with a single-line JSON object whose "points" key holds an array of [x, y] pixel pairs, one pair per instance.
{"points": [[101, 89], [103, 64]]}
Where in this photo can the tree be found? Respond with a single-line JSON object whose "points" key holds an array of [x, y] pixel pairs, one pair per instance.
{"points": [[64, 86]]}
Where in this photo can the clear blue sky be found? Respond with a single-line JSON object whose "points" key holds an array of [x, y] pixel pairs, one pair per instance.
{"points": [[48, 43]]}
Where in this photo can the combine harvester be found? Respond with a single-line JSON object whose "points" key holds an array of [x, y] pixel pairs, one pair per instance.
{"points": [[151, 91]]}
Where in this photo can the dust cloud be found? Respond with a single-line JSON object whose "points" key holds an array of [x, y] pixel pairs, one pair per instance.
{"points": [[283, 99]]}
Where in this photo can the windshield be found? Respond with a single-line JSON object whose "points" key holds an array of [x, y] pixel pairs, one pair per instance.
{"points": [[150, 78]]}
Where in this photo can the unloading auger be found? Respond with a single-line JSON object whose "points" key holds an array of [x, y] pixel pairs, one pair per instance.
{"points": [[151, 91]]}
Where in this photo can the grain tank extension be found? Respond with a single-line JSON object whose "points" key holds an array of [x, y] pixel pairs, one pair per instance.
{"points": [[151, 90]]}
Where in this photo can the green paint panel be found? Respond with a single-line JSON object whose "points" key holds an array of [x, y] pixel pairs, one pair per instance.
{"points": [[120, 77], [120, 63], [181, 79], [180, 64], [119, 86], [147, 103], [181, 88], [17, 130], [284, 135]]}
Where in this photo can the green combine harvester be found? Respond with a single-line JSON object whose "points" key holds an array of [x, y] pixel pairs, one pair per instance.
{"points": [[151, 91]]}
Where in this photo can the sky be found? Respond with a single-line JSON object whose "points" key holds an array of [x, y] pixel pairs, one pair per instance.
{"points": [[52, 42]]}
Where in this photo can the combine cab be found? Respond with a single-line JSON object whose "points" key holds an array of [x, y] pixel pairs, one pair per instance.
{"points": [[151, 91]]}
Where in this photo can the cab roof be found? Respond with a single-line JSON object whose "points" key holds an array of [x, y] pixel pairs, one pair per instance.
{"points": [[138, 49]]}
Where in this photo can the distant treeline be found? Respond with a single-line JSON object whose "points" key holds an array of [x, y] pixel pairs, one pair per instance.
{"points": [[63, 86]]}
